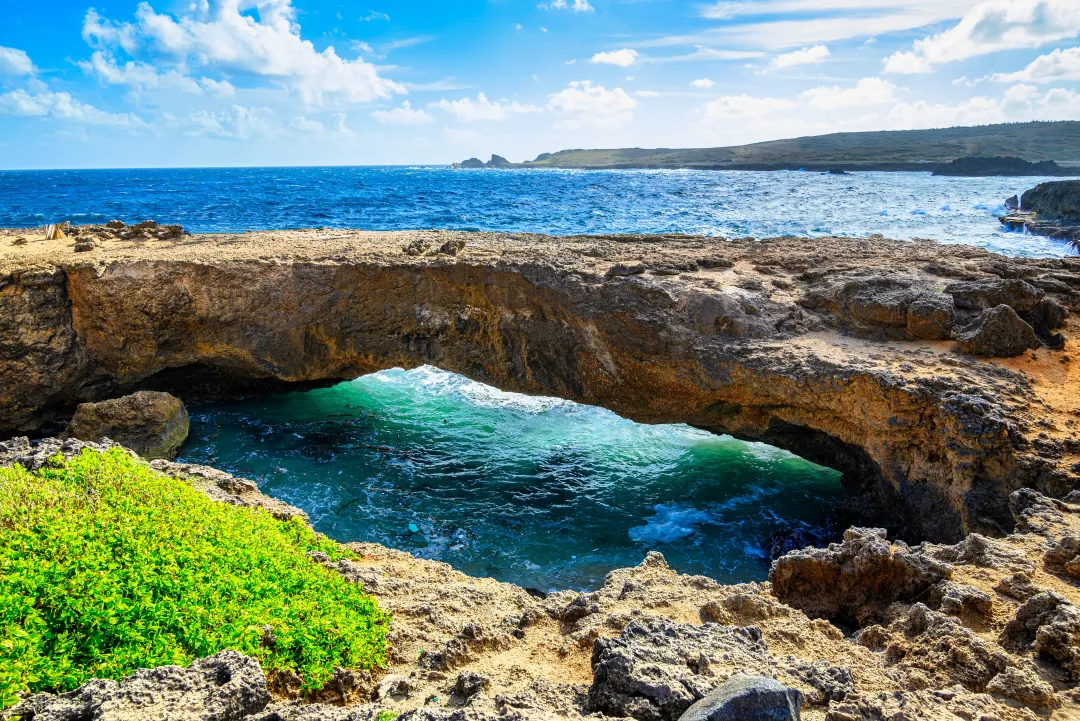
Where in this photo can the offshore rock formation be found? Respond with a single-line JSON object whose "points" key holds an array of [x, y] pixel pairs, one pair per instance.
{"points": [[978, 166], [1049, 209], [836, 349], [983, 629]]}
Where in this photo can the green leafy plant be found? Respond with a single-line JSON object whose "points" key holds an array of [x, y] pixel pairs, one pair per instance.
{"points": [[107, 567]]}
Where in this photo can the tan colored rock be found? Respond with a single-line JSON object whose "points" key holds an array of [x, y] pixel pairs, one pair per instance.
{"points": [[152, 424]]}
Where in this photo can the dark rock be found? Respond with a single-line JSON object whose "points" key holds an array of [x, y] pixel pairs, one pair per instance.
{"points": [[152, 424], [747, 698], [1047, 316], [838, 171], [472, 163], [657, 669], [498, 161], [468, 684], [84, 246], [1058, 200], [854, 581], [930, 316], [622, 270], [997, 333], [225, 687], [977, 295], [1049, 625], [977, 166], [1012, 203]]}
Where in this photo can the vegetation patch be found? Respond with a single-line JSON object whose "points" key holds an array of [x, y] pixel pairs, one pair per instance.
{"points": [[107, 567]]}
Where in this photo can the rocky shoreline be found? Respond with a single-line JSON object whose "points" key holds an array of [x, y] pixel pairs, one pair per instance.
{"points": [[862, 630], [874, 357], [939, 379]]}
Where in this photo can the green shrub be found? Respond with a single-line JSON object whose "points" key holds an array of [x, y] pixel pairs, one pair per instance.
{"points": [[107, 567]]}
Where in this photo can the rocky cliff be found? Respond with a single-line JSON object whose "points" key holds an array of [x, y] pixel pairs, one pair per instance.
{"points": [[837, 349], [865, 630]]}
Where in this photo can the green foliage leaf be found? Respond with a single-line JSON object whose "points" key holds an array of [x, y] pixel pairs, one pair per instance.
{"points": [[107, 567]]}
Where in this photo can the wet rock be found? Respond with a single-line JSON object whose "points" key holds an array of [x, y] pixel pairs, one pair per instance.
{"points": [[1056, 200], [225, 687], [854, 581], [747, 698], [977, 295], [1012, 203], [997, 333], [152, 424]]}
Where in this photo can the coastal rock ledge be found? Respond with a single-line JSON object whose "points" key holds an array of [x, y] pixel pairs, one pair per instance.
{"points": [[840, 350], [864, 630]]}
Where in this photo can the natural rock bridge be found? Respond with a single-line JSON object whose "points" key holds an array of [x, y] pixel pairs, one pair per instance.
{"points": [[837, 349]]}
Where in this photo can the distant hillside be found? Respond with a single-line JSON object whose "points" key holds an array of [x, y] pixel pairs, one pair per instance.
{"points": [[893, 149]]}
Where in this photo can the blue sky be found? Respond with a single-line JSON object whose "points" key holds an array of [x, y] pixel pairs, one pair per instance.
{"points": [[120, 83]]}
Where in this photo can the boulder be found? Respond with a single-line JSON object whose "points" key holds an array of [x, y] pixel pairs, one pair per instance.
{"points": [[997, 333], [151, 423], [224, 687], [977, 295], [747, 698], [930, 316]]}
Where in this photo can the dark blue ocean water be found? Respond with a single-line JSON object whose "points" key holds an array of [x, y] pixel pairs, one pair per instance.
{"points": [[562, 202]]}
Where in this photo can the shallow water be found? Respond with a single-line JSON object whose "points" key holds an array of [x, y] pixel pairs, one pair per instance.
{"points": [[562, 202], [537, 491]]}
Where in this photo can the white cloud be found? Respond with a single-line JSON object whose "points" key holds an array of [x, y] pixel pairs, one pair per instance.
{"points": [[375, 15], [902, 63], [1058, 65], [868, 91], [583, 105], [647, 94], [991, 26], [623, 58], [812, 22], [144, 76], [236, 123], [578, 6], [405, 115], [703, 83], [1017, 104], [307, 126], [468, 110], [47, 104], [806, 56], [227, 39], [744, 106], [15, 62]]}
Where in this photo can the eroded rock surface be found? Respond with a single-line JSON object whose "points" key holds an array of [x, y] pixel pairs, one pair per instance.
{"points": [[993, 636], [827, 347]]}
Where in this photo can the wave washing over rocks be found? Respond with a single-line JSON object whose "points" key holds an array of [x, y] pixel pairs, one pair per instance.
{"points": [[940, 380]]}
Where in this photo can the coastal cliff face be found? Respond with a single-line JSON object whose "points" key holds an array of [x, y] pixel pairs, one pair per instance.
{"points": [[837, 349]]}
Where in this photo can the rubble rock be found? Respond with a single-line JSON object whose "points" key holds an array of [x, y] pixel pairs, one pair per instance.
{"points": [[997, 333], [747, 698]]}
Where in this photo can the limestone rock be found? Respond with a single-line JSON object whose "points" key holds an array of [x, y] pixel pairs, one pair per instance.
{"points": [[296, 711], [1050, 625], [225, 687], [747, 698], [856, 580], [1024, 686], [657, 669], [997, 333], [152, 424]]}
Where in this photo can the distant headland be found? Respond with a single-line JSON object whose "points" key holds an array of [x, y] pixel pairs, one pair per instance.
{"points": [[1034, 148]]}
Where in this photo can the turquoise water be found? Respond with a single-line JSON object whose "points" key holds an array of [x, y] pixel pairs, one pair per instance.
{"points": [[537, 491]]}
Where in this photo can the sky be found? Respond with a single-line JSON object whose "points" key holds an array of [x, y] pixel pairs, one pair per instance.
{"points": [[160, 83]]}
